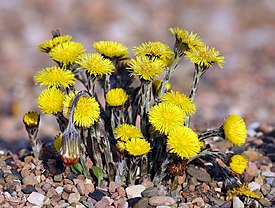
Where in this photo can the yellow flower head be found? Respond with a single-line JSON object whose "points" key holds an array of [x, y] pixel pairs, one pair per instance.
{"points": [[121, 147], [111, 49], [157, 84], [165, 117], [47, 46], [57, 142], [55, 77], [238, 164], [235, 129], [146, 68], [67, 103], [31, 119], [137, 147], [243, 190], [86, 112], [116, 97], [67, 53], [126, 132], [50, 101], [181, 100], [184, 142], [185, 40], [95, 64], [155, 50], [205, 56]]}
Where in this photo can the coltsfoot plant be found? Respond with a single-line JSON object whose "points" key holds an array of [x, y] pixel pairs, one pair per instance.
{"points": [[124, 115]]}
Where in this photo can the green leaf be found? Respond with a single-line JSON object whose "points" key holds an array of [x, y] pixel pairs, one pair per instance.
{"points": [[77, 168], [98, 172]]}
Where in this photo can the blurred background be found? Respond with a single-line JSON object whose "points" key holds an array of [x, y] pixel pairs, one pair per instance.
{"points": [[243, 31]]}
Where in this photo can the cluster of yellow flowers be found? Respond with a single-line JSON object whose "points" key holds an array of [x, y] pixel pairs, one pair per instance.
{"points": [[137, 120]]}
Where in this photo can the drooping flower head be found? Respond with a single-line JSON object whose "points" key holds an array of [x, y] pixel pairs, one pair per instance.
{"points": [[86, 112], [238, 163], [67, 53], [116, 97], [55, 77], [184, 142], [156, 86], [181, 100], [67, 103], [165, 117], [31, 119], [57, 142], [235, 129], [243, 190], [95, 64], [111, 49], [126, 132], [47, 46], [205, 57], [50, 101], [155, 50], [185, 41], [146, 68], [137, 147]]}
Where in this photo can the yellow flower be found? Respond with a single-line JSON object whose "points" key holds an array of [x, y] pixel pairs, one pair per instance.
{"points": [[165, 117], [205, 56], [55, 77], [137, 147], [47, 46], [157, 84], [155, 50], [111, 49], [31, 119], [126, 132], [243, 190], [146, 68], [50, 101], [181, 100], [95, 64], [121, 147], [238, 163], [57, 142], [67, 103], [235, 129], [186, 40], [86, 112], [184, 142], [116, 97], [66, 53]]}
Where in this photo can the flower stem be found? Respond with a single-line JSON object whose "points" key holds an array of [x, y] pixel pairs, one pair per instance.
{"points": [[211, 133], [145, 105]]}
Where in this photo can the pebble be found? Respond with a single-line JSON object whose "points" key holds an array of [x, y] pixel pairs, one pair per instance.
{"points": [[97, 195], [36, 198], [28, 189], [254, 186], [237, 203], [102, 203], [161, 200], [198, 174], [29, 180], [73, 198], [268, 174], [134, 191], [199, 202], [143, 202], [133, 201], [265, 188], [59, 190], [58, 178], [149, 192], [270, 181], [113, 186]]}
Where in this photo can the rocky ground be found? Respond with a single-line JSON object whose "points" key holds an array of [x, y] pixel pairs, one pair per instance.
{"points": [[28, 182]]}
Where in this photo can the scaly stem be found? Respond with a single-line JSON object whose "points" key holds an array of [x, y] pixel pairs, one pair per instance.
{"points": [[211, 133], [145, 105]]}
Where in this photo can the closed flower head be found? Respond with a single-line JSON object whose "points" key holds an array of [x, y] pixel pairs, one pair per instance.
{"points": [[235, 129], [184, 142], [137, 147], [181, 100], [116, 97], [47, 46], [57, 142], [95, 64], [126, 132], [50, 101], [155, 50], [66, 53], [55, 77], [165, 117], [146, 68], [111, 49], [31, 119], [238, 163], [86, 112]]}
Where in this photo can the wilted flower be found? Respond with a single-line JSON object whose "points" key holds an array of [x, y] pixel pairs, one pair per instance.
{"points": [[116, 97]]}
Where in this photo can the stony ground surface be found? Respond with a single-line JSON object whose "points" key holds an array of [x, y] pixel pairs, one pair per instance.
{"points": [[28, 182]]}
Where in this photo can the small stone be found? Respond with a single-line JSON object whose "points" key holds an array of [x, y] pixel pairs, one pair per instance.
{"points": [[161, 200], [149, 192], [192, 188], [58, 178], [198, 174], [265, 202], [260, 179], [65, 195], [252, 155], [102, 203], [143, 202], [147, 184], [265, 189], [51, 192], [25, 172], [162, 190], [87, 204], [133, 201], [254, 186], [217, 201], [270, 181], [237, 203], [271, 194], [135, 191], [89, 187], [59, 190], [121, 192], [28, 189], [97, 195], [28, 159], [36, 199], [29, 180], [46, 186], [69, 188], [82, 189], [113, 186], [268, 174], [9, 178], [123, 204], [74, 198], [199, 202]]}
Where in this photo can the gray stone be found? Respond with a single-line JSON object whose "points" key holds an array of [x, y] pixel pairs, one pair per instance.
{"points": [[161, 200], [36, 198], [73, 198], [265, 189], [135, 191], [270, 181], [198, 174], [143, 202], [217, 201], [149, 192], [254, 186], [268, 174], [265, 202], [58, 178], [237, 203], [29, 180]]}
